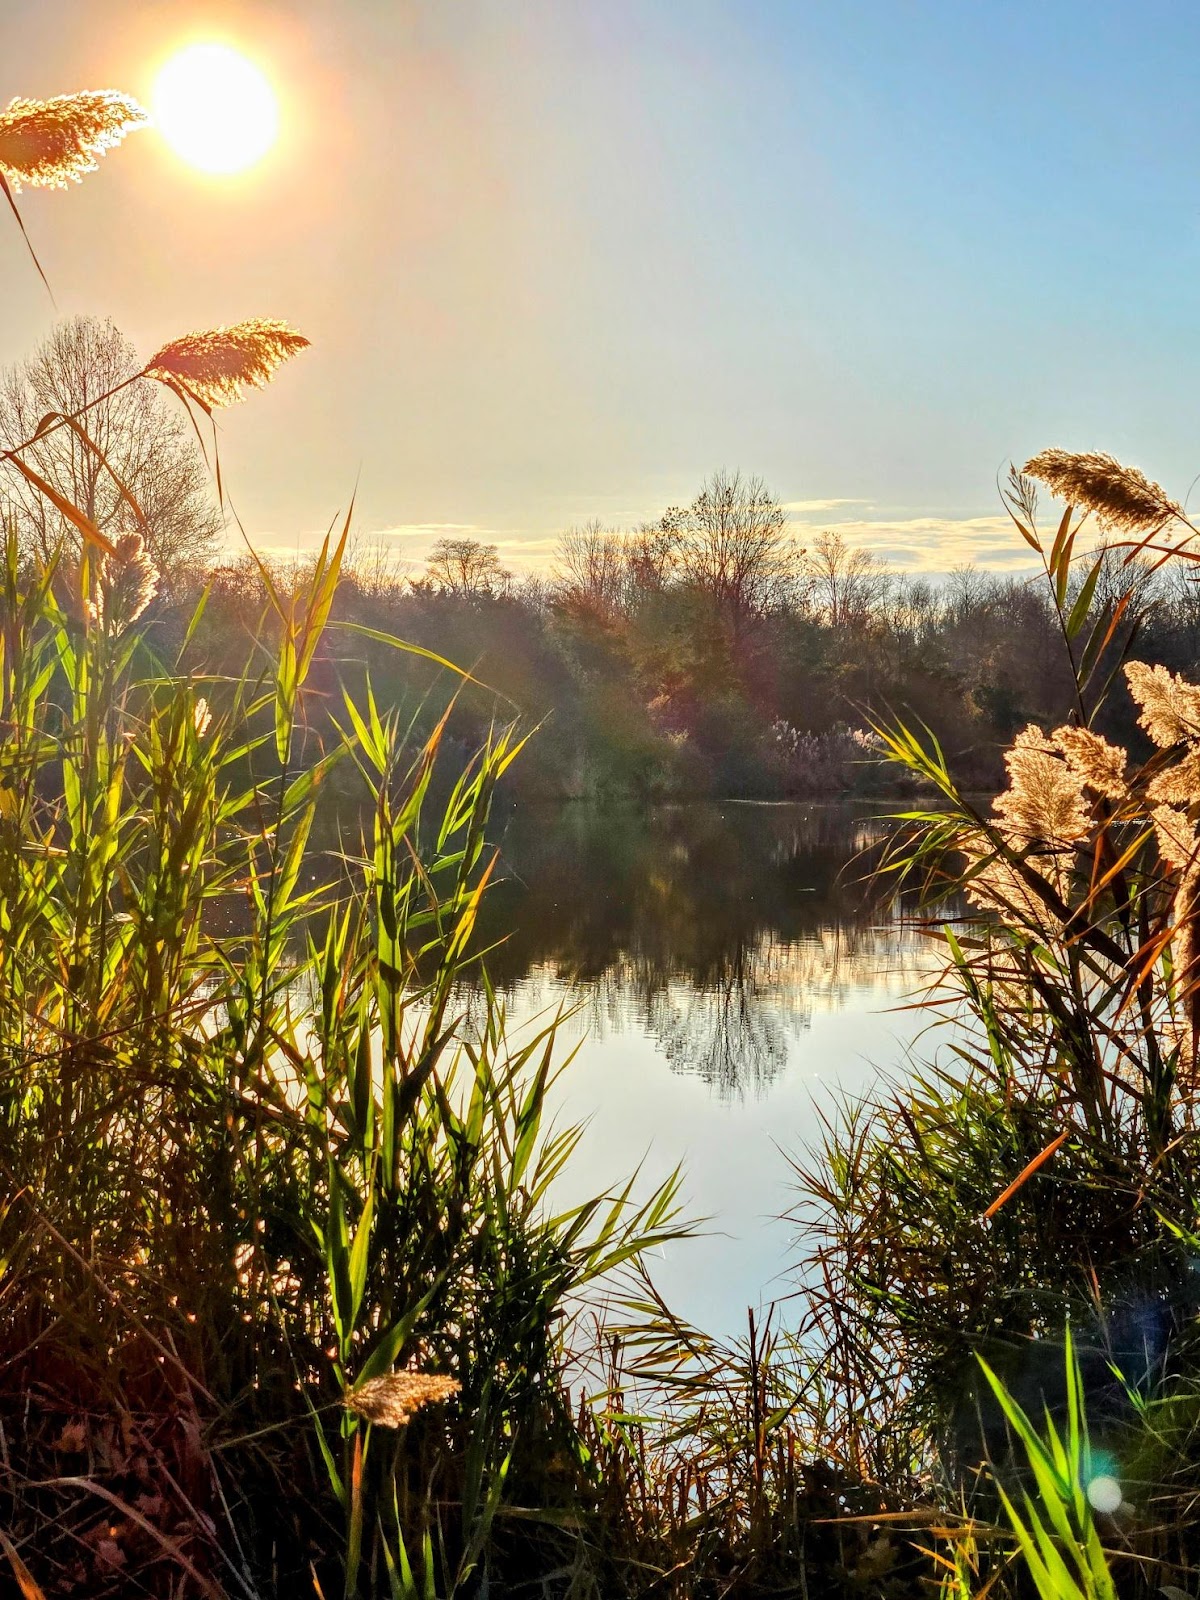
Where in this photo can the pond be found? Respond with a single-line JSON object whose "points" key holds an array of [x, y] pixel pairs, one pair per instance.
{"points": [[730, 973]]}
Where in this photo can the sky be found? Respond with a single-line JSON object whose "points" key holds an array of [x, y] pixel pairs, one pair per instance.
{"points": [[562, 259]]}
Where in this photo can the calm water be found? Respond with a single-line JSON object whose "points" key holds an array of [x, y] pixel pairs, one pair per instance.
{"points": [[731, 976]]}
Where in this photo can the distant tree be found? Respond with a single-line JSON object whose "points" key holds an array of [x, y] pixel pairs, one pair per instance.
{"points": [[591, 568], [467, 568], [733, 543], [147, 444], [847, 584]]}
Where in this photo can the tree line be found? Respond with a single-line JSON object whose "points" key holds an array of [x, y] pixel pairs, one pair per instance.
{"points": [[704, 652]]}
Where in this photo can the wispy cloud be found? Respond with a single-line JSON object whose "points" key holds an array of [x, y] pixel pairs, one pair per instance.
{"points": [[799, 508], [937, 544], [931, 545]]}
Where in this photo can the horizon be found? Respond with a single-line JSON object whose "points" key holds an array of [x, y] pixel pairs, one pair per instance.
{"points": [[498, 232]]}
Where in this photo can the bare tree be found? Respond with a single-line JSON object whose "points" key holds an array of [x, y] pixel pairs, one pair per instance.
{"points": [[467, 568], [734, 543], [848, 584], [149, 447], [591, 567]]}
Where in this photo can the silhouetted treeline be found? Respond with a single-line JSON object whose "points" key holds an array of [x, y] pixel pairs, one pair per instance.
{"points": [[705, 654]]}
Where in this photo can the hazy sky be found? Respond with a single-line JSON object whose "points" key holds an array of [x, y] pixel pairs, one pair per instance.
{"points": [[562, 258]]}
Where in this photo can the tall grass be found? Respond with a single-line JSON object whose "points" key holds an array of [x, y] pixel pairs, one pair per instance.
{"points": [[285, 1291], [288, 1304], [253, 1160], [1041, 1167]]}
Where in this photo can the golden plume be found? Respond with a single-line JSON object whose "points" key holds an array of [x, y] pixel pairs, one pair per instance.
{"points": [[49, 143], [1099, 764], [1122, 497], [126, 582], [1044, 800], [1169, 706], [391, 1400], [214, 367]]}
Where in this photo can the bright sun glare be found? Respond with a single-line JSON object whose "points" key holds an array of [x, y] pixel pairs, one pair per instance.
{"points": [[215, 109]]}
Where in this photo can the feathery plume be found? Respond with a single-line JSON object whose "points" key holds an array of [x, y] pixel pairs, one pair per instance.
{"points": [[1177, 841], [1122, 497], [996, 885], [1100, 765], [1185, 950], [1170, 706], [50, 143], [390, 1401], [201, 716], [1178, 785], [215, 366], [125, 584], [1044, 800]]}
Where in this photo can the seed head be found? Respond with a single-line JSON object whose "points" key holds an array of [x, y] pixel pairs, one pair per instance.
{"points": [[1122, 497], [391, 1400], [201, 716], [215, 366], [1044, 800], [50, 143], [125, 584], [1099, 764], [1170, 706], [997, 886], [1177, 841]]}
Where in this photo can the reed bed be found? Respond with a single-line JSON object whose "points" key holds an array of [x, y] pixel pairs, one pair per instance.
{"points": [[288, 1304]]}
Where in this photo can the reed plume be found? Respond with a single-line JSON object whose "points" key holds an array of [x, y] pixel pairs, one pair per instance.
{"points": [[1044, 800], [1178, 785], [994, 884], [50, 143], [215, 366], [1169, 706], [1177, 842], [126, 582], [1099, 764], [392, 1400], [1122, 497]]}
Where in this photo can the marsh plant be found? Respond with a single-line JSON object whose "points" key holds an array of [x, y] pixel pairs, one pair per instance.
{"points": [[284, 1296], [1043, 1168], [288, 1301]]}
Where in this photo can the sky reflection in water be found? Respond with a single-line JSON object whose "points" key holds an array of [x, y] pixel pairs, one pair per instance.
{"points": [[731, 974]]}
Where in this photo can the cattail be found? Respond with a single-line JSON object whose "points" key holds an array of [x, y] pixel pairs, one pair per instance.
{"points": [[1122, 497], [214, 367], [126, 582], [390, 1401], [1044, 800], [1100, 765], [49, 143], [1170, 706]]}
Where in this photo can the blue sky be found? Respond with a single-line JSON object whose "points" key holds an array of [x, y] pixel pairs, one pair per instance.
{"points": [[562, 259]]}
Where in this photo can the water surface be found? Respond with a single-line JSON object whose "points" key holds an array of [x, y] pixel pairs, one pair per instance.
{"points": [[731, 973]]}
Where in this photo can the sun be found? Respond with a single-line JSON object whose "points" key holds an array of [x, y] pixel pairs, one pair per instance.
{"points": [[215, 109]]}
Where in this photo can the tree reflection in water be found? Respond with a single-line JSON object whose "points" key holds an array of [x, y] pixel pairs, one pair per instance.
{"points": [[715, 929]]}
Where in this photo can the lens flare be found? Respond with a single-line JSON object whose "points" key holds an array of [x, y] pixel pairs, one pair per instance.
{"points": [[1104, 1494]]}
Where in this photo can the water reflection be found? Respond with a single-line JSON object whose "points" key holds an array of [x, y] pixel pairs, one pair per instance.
{"points": [[715, 930]]}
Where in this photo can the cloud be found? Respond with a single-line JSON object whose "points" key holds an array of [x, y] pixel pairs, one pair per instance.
{"points": [[804, 507], [931, 545], [935, 545]]}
